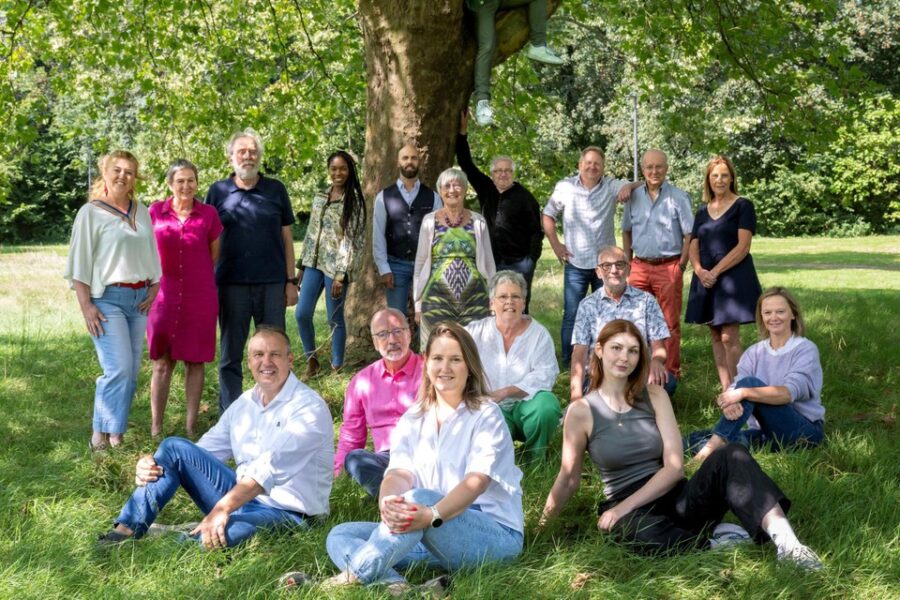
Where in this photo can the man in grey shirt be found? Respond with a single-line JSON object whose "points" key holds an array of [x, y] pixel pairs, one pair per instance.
{"points": [[656, 234], [587, 203]]}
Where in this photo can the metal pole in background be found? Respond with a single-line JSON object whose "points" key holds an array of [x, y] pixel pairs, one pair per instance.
{"points": [[634, 120], [90, 167]]}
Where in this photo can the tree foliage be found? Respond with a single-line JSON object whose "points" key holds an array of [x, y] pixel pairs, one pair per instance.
{"points": [[800, 94]]}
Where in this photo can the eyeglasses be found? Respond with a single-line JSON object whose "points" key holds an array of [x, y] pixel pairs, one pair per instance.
{"points": [[501, 171], [508, 298], [383, 335], [608, 266]]}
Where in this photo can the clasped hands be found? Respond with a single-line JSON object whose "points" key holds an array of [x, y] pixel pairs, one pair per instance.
{"points": [[729, 402], [401, 516]]}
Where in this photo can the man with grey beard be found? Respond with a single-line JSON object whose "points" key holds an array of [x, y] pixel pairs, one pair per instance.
{"points": [[255, 273]]}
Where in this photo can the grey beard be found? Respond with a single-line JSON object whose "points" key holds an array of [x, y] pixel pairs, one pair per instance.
{"points": [[246, 173]]}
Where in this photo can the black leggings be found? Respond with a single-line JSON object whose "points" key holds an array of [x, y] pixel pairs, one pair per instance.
{"points": [[681, 519]]}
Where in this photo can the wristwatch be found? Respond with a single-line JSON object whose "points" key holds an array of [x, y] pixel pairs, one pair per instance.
{"points": [[436, 520], [294, 280]]}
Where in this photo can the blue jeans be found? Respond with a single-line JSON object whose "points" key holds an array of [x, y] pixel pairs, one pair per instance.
{"points": [[525, 267], [311, 287], [779, 425], [119, 350], [206, 479], [367, 468], [398, 296], [238, 303], [575, 286], [372, 553]]}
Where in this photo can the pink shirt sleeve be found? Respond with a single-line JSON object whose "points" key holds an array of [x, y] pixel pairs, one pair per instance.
{"points": [[353, 430]]}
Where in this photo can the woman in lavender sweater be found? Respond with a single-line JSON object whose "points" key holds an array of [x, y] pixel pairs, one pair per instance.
{"points": [[778, 388]]}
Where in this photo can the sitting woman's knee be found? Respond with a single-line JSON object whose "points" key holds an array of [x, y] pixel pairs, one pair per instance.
{"points": [[423, 496]]}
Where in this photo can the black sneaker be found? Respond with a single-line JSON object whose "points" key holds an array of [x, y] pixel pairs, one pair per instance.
{"points": [[112, 538]]}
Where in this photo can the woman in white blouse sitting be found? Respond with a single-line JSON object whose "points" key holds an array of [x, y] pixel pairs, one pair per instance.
{"points": [[520, 365], [114, 269], [451, 496]]}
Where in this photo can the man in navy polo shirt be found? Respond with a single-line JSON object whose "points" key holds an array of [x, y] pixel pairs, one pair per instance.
{"points": [[255, 272]]}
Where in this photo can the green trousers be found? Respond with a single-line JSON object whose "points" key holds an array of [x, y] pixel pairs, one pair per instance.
{"points": [[533, 422], [485, 13]]}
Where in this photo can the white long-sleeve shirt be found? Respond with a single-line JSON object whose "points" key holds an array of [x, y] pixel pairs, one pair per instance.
{"points": [[287, 447], [530, 364]]}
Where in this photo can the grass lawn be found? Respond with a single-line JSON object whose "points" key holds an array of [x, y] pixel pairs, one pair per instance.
{"points": [[55, 497]]}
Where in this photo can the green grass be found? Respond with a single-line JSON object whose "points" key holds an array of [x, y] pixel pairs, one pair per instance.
{"points": [[55, 497]]}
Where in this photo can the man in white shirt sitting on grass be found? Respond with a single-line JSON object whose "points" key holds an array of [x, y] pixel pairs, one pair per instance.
{"points": [[279, 434]]}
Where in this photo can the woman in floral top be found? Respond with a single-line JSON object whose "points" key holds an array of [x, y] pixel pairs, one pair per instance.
{"points": [[331, 249]]}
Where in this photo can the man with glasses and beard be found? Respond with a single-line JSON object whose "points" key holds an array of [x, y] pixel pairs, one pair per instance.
{"points": [[618, 300], [398, 214], [376, 399], [255, 273]]}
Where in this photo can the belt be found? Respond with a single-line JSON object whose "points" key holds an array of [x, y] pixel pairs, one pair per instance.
{"points": [[659, 261], [134, 286]]}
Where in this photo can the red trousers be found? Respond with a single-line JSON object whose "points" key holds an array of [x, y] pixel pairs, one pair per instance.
{"points": [[665, 283]]}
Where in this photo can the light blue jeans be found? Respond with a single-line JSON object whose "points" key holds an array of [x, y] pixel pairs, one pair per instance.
{"points": [[372, 553], [311, 287], [206, 479], [398, 296], [119, 350]]}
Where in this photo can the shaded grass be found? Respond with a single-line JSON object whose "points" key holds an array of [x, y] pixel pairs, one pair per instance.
{"points": [[55, 496]]}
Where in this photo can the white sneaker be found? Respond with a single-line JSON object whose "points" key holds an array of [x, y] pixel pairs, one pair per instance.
{"points": [[543, 54], [803, 557], [727, 535], [484, 114]]}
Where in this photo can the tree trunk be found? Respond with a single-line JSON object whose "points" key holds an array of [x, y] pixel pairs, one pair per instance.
{"points": [[420, 59]]}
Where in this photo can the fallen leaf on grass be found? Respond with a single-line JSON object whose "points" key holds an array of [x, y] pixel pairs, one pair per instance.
{"points": [[204, 408], [580, 580], [862, 417]]}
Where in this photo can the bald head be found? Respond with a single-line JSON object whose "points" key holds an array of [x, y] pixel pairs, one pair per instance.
{"points": [[654, 166]]}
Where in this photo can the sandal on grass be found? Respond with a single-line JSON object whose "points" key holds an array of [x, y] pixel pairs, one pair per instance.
{"points": [[293, 579]]}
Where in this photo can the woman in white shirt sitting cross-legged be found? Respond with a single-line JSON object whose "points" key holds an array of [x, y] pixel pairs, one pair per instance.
{"points": [[451, 496], [520, 365]]}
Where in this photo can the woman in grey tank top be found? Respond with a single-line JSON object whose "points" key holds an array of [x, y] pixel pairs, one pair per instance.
{"points": [[629, 431]]}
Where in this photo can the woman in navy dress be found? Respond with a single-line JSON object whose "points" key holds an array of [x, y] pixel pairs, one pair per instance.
{"points": [[724, 288]]}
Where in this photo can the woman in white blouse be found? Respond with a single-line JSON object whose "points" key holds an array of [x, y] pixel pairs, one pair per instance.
{"points": [[451, 496], [114, 269], [520, 364]]}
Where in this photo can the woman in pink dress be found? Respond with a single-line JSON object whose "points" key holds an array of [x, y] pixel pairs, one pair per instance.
{"points": [[182, 322]]}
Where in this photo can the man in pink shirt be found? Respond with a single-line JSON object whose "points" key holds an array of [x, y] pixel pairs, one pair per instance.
{"points": [[376, 399]]}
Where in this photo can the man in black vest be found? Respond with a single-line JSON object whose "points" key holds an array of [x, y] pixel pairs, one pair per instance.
{"points": [[399, 210]]}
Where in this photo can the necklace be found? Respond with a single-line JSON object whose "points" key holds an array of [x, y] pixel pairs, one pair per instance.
{"points": [[450, 223]]}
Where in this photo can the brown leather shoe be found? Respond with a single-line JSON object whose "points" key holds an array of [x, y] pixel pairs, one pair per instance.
{"points": [[312, 367]]}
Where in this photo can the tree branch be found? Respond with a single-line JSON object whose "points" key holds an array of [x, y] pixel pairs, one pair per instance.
{"points": [[14, 32]]}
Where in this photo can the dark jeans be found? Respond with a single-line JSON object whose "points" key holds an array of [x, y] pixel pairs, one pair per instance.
{"points": [[367, 469], [575, 286], [681, 519], [524, 267], [780, 425], [206, 479], [264, 303]]}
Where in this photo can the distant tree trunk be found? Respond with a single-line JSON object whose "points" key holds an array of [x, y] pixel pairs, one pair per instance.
{"points": [[420, 59]]}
